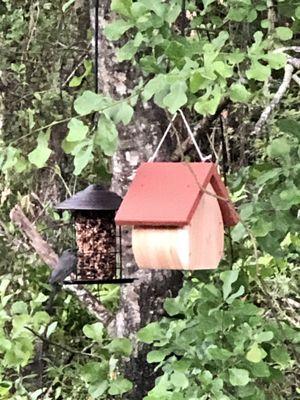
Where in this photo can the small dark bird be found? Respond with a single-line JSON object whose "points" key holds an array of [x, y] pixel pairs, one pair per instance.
{"points": [[65, 266]]}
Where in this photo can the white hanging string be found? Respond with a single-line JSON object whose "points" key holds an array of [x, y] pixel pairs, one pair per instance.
{"points": [[162, 139], [201, 156]]}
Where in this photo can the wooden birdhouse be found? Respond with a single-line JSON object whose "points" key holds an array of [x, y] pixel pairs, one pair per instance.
{"points": [[98, 240], [178, 212]]}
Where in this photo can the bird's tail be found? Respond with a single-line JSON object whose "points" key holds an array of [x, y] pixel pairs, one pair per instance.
{"points": [[49, 305]]}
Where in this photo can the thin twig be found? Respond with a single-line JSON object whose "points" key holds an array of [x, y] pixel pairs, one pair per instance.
{"points": [[288, 73], [60, 346]]}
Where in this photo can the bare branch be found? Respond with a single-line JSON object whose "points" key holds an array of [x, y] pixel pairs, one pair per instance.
{"points": [[296, 49], [288, 73], [46, 253], [296, 78]]}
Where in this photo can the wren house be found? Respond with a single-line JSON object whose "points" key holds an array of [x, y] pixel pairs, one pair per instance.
{"points": [[98, 240], [178, 212]]}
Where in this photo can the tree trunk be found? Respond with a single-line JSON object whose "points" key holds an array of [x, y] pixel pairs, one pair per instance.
{"points": [[142, 301]]}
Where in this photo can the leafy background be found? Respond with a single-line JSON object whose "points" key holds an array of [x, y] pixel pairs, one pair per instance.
{"points": [[230, 334]]}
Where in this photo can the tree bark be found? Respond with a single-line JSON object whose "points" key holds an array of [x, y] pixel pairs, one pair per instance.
{"points": [[142, 301]]}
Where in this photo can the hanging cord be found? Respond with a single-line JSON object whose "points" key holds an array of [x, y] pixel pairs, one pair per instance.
{"points": [[152, 158], [96, 37], [201, 156], [224, 150]]}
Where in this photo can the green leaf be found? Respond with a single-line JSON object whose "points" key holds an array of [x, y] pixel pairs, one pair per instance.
{"points": [[208, 106], [122, 7], [206, 3], [94, 331], [51, 328], [156, 6], [179, 380], [289, 126], [297, 12], [20, 352], [116, 29], [173, 306], [67, 5], [260, 370], [119, 386], [284, 33], [106, 136], [93, 372], [217, 353], [173, 12], [77, 130], [97, 389], [264, 336], [120, 346], [238, 377], [177, 97], [196, 81], [228, 278], [121, 112], [150, 333], [276, 60], [238, 93], [235, 295], [82, 157], [12, 155], [278, 147], [76, 81], [154, 86], [238, 232], [156, 356], [258, 72], [256, 354], [40, 155], [39, 319], [281, 356], [127, 52], [19, 322], [261, 228], [89, 102], [19, 307], [222, 69]]}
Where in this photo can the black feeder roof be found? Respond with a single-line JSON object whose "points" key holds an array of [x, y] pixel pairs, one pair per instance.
{"points": [[94, 197]]}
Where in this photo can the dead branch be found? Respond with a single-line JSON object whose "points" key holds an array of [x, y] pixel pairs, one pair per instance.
{"points": [[296, 49], [46, 253], [296, 79], [288, 73]]}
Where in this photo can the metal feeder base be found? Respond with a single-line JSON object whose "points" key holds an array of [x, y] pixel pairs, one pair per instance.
{"points": [[99, 281]]}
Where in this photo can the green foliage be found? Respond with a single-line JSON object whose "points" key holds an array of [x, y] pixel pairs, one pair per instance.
{"points": [[215, 349], [228, 335]]}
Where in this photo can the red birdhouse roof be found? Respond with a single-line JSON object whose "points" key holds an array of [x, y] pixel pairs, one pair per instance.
{"points": [[166, 193]]}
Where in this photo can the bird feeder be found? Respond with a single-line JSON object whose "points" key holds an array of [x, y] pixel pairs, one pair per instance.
{"points": [[178, 212], [98, 240]]}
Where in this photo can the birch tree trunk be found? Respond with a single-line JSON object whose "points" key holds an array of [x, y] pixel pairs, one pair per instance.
{"points": [[142, 301]]}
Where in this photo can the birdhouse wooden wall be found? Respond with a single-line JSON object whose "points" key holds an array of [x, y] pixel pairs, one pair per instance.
{"points": [[178, 212], [198, 245]]}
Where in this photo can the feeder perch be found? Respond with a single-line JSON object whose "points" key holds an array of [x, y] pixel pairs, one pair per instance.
{"points": [[176, 223], [98, 240]]}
